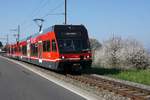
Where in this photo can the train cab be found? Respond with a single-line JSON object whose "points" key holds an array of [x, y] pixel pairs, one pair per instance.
{"points": [[73, 46]]}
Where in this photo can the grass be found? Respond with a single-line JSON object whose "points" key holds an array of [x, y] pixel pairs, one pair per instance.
{"points": [[138, 76]]}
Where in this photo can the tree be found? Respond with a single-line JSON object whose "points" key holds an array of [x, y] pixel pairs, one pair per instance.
{"points": [[95, 44], [119, 53], [134, 55], [108, 55]]}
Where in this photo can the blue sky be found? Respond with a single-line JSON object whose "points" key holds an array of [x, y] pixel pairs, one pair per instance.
{"points": [[103, 18]]}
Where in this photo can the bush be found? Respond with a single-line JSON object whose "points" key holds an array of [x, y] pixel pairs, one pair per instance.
{"points": [[124, 54], [95, 45], [134, 55], [108, 55]]}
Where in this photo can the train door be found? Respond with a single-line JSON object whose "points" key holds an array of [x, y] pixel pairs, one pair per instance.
{"points": [[21, 52], [40, 51], [53, 54], [28, 50], [54, 49]]}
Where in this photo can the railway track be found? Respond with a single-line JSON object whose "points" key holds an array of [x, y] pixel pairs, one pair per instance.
{"points": [[131, 92]]}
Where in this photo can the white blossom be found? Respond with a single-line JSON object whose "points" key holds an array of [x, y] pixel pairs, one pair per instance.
{"points": [[119, 53]]}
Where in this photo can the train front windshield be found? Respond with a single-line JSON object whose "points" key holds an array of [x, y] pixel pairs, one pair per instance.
{"points": [[73, 41], [72, 45]]}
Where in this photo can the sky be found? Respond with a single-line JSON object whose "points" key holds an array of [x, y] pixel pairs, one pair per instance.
{"points": [[102, 18]]}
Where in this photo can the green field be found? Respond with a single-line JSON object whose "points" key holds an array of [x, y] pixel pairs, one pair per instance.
{"points": [[138, 76]]}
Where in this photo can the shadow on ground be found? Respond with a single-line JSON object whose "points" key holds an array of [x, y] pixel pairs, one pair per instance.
{"points": [[101, 71]]}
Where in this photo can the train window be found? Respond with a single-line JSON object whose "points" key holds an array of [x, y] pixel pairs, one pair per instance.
{"points": [[46, 46], [54, 45], [12, 50], [24, 50], [15, 49], [34, 50], [19, 49]]}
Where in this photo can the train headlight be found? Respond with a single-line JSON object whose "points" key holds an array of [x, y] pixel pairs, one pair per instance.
{"points": [[62, 57], [88, 56]]}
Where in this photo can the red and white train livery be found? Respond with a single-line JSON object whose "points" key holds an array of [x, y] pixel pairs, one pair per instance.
{"points": [[60, 47]]}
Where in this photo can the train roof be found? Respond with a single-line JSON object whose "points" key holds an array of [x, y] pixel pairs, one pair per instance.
{"points": [[68, 28], [55, 28]]}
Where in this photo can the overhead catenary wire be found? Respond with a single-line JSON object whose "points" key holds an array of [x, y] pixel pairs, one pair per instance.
{"points": [[34, 12], [52, 14], [38, 9], [4, 38], [52, 10], [28, 22], [48, 14]]}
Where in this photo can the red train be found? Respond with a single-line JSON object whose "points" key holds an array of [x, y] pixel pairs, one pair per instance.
{"points": [[60, 48]]}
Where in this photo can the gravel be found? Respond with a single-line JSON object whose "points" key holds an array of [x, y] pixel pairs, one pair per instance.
{"points": [[146, 87]]}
